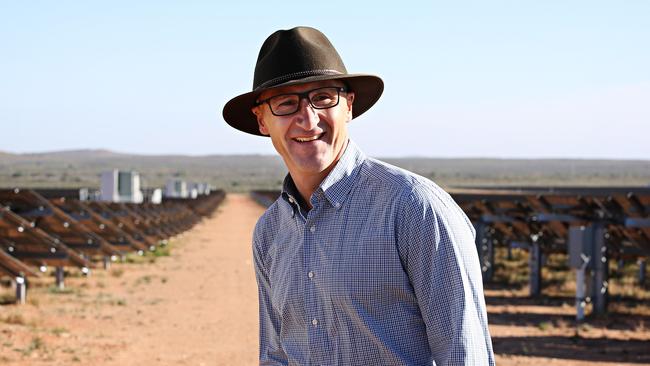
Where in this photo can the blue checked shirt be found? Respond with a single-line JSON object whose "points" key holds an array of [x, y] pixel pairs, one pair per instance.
{"points": [[382, 270]]}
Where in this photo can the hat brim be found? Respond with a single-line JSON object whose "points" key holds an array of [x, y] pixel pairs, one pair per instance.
{"points": [[367, 90]]}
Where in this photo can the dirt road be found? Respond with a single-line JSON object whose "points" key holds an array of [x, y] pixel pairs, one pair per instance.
{"points": [[195, 307]]}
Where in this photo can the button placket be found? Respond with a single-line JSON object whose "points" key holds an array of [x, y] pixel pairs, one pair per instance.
{"points": [[310, 260]]}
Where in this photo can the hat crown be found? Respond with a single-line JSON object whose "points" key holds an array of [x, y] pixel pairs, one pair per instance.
{"points": [[294, 54]]}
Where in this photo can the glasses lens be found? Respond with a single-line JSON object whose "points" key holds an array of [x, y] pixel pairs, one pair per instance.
{"points": [[284, 104], [324, 97], [321, 98]]}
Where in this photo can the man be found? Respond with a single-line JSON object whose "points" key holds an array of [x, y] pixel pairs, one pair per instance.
{"points": [[357, 262]]}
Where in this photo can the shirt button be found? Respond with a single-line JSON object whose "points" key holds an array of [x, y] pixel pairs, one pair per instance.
{"points": [[314, 322], [312, 228], [310, 274], [291, 199], [337, 204]]}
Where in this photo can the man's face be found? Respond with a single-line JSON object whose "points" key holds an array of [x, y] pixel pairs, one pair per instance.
{"points": [[310, 140]]}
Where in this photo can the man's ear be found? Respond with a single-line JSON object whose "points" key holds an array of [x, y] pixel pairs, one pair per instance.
{"points": [[350, 100], [257, 111]]}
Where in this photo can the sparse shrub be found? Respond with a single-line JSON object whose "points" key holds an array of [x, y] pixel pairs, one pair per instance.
{"points": [[135, 258], [6, 299], [117, 272], [16, 319], [544, 326], [36, 344], [63, 291], [59, 330], [144, 279], [585, 327], [162, 251]]}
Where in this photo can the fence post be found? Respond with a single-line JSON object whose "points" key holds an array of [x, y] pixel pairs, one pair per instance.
{"points": [[535, 265]]}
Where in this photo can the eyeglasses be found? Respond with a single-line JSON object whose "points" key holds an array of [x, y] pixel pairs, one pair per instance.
{"points": [[286, 104]]}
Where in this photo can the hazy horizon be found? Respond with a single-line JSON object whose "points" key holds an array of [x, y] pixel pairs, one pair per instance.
{"points": [[100, 150]]}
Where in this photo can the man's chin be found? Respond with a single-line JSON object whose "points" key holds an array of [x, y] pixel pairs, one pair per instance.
{"points": [[312, 166]]}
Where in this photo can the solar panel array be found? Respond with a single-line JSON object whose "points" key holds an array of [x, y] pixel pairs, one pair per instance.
{"points": [[592, 225], [52, 228]]}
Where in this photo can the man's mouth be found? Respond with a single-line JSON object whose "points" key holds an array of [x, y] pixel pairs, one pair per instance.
{"points": [[308, 139]]}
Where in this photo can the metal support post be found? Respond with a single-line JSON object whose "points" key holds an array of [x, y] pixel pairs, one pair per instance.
{"points": [[488, 255], [21, 290], [642, 269], [485, 250], [59, 278], [535, 266], [620, 265], [107, 262], [581, 290], [601, 270]]}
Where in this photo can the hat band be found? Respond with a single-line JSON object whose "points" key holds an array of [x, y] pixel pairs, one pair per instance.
{"points": [[297, 75]]}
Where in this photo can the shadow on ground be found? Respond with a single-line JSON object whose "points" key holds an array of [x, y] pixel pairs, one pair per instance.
{"points": [[574, 348], [611, 320]]}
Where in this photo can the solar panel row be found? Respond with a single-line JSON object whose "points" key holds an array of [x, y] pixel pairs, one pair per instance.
{"points": [[62, 231]]}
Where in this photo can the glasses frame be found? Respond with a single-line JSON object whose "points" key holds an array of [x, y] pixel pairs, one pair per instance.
{"points": [[304, 95]]}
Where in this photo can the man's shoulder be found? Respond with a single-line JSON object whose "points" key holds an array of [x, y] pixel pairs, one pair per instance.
{"points": [[396, 178], [412, 189]]}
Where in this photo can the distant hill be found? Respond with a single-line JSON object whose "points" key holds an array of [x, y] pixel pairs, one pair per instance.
{"points": [[76, 154], [82, 168]]}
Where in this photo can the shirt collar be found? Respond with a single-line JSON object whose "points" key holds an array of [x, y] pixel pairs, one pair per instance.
{"points": [[290, 193], [338, 183]]}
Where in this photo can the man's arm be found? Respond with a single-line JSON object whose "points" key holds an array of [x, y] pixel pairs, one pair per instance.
{"points": [[436, 243], [271, 352]]}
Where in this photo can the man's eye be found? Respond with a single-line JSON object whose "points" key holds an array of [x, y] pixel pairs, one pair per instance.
{"points": [[283, 102], [287, 103], [321, 97]]}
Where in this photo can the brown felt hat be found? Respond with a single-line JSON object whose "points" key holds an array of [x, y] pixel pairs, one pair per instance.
{"points": [[296, 56]]}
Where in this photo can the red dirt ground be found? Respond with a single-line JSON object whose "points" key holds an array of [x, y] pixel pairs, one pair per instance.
{"points": [[199, 307]]}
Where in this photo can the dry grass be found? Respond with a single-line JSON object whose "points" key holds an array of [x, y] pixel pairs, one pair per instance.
{"points": [[626, 294]]}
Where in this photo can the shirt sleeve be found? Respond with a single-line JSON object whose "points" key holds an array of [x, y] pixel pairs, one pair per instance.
{"points": [[436, 244], [271, 352]]}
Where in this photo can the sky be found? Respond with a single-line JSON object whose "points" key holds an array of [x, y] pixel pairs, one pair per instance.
{"points": [[497, 79]]}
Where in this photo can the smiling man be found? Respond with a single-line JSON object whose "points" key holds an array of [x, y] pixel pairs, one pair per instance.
{"points": [[357, 262]]}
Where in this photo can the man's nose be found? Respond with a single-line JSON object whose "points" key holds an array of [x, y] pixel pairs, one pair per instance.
{"points": [[308, 114]]}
